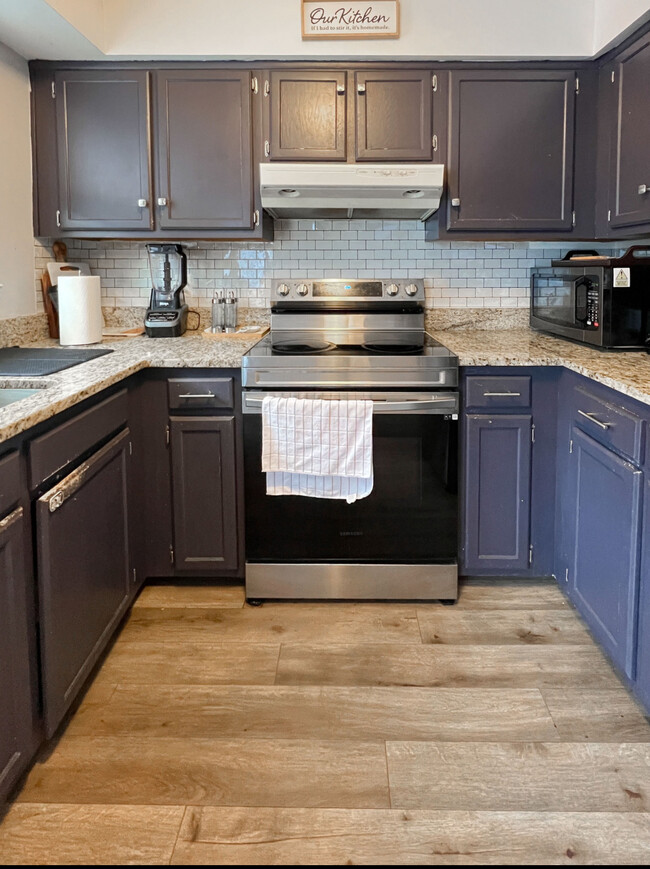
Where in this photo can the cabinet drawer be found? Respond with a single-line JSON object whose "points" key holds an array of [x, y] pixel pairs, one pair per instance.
{"points": [[9, 481], [497, 392], [609, 424], [197, 393], [54, 450]]}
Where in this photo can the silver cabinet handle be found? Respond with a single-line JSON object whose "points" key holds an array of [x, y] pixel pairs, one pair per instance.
{"points": [[361, 88], [455, 202], [643, 188], [197, 395], [340, 89], [9, 520], [142, 203], [592, 418], [502, 394], [162, 201]]}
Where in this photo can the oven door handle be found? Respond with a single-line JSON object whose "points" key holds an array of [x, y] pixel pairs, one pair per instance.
{"points": [[387, 406]]}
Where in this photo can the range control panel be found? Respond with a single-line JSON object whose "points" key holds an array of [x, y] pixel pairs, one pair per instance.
{"points": [[389, 290]]}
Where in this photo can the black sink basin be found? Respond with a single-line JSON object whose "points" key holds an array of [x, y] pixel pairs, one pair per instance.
{"points": [[34, 362]]}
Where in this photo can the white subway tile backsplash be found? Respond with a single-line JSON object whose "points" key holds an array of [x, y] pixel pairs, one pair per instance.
{"points": [[456, 274]]}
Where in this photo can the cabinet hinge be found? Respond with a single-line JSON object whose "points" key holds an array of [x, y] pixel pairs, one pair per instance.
{"points": [[256, 218], [613, 76], [167, 435], [570, 446], [434, 142], [53, 90], [532, 433], [267, 148], [254, 84], [577, 85], [267, 88], [573, 218], [58, 217], [609, 215], [530, 554], [434, 82], [171, 553]]}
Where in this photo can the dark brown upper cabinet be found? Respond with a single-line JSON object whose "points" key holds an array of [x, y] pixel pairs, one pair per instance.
{"points": [[308, 111], [511, 151], [393, 115], [102, 132], [629, 189], [205, 149]]}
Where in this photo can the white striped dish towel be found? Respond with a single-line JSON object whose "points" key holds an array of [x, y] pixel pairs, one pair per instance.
{"points": [[318, 448]]}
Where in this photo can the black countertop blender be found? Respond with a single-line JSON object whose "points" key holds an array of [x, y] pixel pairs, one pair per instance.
{"points": [[166, 316]]}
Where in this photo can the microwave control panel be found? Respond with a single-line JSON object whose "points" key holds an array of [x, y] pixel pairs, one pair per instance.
{"points": [[593, 314]]}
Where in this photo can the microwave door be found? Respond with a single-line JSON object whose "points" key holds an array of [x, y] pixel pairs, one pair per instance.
{"points": [[555, 299]]}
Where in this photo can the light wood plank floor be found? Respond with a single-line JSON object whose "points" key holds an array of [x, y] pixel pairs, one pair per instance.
{"points": [[492, 732]]}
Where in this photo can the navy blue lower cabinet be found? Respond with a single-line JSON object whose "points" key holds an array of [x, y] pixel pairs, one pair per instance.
{"points": [[497, 493], [642, 686], [604, 500]]}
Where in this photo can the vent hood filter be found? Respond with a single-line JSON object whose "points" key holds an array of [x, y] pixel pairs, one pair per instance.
{"points": [[347, 190]]}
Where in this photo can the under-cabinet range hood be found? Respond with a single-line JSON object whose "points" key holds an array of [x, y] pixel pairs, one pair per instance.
{"points": [[347, 190]]}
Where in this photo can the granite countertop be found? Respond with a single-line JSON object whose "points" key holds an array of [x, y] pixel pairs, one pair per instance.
{"points": [[629, 373], [66, 388]]}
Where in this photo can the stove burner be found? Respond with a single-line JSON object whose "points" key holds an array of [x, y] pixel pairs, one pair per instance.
{"points": [[298, 348], [393, 349]]}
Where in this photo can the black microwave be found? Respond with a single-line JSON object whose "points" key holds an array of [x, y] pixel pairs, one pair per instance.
{"points": [[597, 300]]}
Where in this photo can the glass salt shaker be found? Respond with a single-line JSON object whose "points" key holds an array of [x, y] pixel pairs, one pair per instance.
{"points": [[218, 311]]}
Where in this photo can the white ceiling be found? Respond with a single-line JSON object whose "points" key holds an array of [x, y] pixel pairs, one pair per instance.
{"points": [[270, 29]]}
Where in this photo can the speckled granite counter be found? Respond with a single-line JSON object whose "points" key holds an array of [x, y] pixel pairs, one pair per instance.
{"points": [[67, 388], [627, 372]]}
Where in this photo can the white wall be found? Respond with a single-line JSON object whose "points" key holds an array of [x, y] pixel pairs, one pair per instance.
{"points": [[613, 17], [16, 232], [271, 29]]}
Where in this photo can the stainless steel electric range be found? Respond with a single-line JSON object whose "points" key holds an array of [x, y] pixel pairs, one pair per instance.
{"points": [[336, 339]]}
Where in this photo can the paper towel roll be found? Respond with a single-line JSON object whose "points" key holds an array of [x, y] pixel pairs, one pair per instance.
{"points": [[80, 309]]}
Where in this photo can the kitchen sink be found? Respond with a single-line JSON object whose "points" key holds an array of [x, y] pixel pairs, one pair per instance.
{"points": [[10, 394], [38, 361]]}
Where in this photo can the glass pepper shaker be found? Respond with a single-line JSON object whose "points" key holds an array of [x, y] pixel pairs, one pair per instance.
{"points": [[230, 321], [218, 311]]}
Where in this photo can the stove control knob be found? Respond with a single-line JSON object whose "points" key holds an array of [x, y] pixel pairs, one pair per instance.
{"points": [[283, 290], [411, 289], [302, 289], [392, 290]]}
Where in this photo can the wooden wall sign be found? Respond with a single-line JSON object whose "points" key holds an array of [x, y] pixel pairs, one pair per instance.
{"points": [[333, 19]]}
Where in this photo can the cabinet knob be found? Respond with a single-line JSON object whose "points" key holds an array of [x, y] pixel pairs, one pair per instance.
{"points": [[162, 201], [340, 89], [142, 203], [361, 88], [643, 188], [455, 203]]}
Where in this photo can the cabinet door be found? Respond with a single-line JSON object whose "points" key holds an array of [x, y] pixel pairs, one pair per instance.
{"points": [[83, 572], [102, 120], [15, 679], [204, 490], [605, 499], [308, 112], [511, 150], [630, 168], [393, 115], [205, 158], [642, 685], [497, 492]]}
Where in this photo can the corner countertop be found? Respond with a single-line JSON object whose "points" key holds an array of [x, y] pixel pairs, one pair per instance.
{"points": [[628, 373]]}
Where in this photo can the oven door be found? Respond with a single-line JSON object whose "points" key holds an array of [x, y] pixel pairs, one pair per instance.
{"points": [[410, 517], [567, 302]]}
